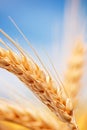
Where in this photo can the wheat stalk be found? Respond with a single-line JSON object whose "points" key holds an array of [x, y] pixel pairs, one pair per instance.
{"points": [[40, 83], [75, 70], [25, 117]]}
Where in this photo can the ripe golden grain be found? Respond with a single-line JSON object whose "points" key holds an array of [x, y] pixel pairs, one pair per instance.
{"points": [[40, 83]]}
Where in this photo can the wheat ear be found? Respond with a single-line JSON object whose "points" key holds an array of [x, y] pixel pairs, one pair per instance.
{"points": [[75, 70], [40, 83], [23, 116]]}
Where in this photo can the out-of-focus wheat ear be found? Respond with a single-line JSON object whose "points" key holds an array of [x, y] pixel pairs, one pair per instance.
{"points": [[74, 72], [31, 119], [7, 125], [41, 84]]}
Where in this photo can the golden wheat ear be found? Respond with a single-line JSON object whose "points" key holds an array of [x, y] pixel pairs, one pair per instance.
{"points": [[39, 82], [74, 71], [28, 117]]}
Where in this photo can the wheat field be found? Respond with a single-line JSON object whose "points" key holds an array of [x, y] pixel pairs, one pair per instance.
{"points": [[61, 101]]}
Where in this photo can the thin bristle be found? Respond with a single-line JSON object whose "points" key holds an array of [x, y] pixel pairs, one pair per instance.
{"points": [[38, 57]]}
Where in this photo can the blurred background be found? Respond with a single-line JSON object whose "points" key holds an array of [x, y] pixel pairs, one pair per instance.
{"points": [[53, 25]]}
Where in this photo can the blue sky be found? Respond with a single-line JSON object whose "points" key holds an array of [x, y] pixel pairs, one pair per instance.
{"points": [[37, 18], [54, 24]]}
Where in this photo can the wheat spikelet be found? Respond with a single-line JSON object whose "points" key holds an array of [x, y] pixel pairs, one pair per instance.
{"points": [[75, 70], [40, 83], [21, 115]]}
